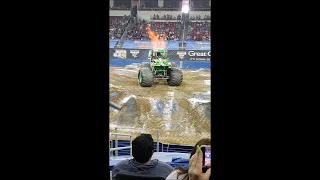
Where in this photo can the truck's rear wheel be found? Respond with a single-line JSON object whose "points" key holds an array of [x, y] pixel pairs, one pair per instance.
{"points": [[176, 77], [145, 77]]}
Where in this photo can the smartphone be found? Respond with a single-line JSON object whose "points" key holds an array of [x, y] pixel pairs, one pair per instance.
{"points": [[206, 151]]}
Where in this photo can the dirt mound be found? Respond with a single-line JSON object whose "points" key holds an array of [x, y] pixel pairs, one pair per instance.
{"points": [[182, 113]]}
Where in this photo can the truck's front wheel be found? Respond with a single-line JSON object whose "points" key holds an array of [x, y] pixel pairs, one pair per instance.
{"points": [[145, 77], [175, 77]]}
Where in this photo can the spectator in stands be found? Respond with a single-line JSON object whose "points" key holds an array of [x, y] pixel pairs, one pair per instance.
{"points": [[142, 150], [117, 25], [183, 173], [138, 30], [196, 30]]}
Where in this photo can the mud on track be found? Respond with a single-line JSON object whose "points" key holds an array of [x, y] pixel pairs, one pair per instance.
{"points": [[182, 113]]}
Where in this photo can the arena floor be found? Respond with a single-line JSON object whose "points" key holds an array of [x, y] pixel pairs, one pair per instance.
{"points": [[182, 113]]}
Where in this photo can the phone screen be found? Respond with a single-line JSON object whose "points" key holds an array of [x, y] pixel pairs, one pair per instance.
{"points": [[206, 156]]}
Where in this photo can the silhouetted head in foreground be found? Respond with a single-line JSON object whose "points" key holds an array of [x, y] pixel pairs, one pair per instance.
{"points": [[142, 148]]}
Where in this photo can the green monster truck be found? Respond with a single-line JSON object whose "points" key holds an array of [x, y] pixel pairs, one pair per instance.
{"points": [[159, 68]]}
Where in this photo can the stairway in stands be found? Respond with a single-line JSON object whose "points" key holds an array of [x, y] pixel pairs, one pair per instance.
{"points": [[124, 34]]}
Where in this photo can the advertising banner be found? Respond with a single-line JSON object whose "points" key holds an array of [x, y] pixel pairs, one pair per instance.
{"points": [[142, 54], [190, 55], [137, 53], [198, 55], [199, 45], [118, 53]]}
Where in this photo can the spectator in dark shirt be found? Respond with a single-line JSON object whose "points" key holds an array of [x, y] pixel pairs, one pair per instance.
{"points": [[142, 150]]}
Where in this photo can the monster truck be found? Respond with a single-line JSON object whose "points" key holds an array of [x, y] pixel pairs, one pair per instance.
{"points": [[159, 68]]}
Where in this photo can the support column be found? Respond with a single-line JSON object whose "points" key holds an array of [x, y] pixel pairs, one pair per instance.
{"points": [[135, 2], [160, 3], [209, 3], [158, 139], [111, 3]]}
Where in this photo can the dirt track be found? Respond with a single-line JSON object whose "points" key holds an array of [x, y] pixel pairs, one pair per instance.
{"points": [[182, 114]]}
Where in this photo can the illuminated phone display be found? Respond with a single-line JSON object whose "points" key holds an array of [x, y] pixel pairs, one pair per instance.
{"points": [[207, 156], [206, 151]]}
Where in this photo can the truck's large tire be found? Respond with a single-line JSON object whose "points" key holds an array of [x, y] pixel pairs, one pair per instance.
{"points": [[145, 77], [176, 77], [145, 65]]}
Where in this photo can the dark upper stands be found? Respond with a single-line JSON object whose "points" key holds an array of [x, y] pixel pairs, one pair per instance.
{"points": [[199, 5], [121, 5]]}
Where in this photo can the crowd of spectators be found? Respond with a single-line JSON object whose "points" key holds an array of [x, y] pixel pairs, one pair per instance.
{"points": [[196, 31], [198, 17], [157, 8], [199, 31], [171, 30], [166, 17], [117, 26], [121, 7]]}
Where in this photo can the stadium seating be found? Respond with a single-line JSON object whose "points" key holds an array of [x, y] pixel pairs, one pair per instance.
{"points": [[199, 31], [139, 30], [117, 25]]}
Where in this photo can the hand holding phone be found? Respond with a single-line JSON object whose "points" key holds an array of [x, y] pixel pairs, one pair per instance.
{"points": [[196, 169], [206, 151]]}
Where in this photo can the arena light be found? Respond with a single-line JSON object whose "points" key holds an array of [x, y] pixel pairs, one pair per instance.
{"points": [[185, 9]]}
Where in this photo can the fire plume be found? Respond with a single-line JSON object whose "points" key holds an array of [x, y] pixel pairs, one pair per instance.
{"points": [[157, 43]]}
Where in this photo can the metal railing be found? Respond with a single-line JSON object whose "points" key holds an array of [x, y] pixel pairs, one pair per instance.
{"points": [[157, 135], [174, 18], [158, 9], [167, 142], [116, 143]]}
